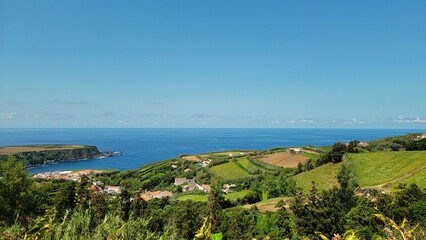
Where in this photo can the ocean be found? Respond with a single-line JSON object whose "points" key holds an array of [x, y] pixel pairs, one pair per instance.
{"points": [[145, 145]]}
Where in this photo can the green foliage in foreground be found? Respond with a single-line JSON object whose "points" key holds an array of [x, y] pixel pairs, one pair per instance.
{"points": [[80, 225]]}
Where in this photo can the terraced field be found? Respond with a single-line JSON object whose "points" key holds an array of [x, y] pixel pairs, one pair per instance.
{"points": [[324, 176], [385, 169]]}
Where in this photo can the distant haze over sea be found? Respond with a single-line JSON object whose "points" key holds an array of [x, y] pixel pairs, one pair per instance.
{"points": [[142, 146]]}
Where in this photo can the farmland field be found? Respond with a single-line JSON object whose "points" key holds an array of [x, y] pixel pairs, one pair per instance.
{"points": [[389, 168], [284, 159], [229, 171], [324, 176]]}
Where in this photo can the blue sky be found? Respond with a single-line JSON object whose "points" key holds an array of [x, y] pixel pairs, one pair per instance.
{"points": [[358, 64]]}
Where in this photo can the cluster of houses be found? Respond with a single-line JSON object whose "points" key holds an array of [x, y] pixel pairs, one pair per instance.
{"points": [[97, 186], [66, 175], [189, 185], [421, 136]]}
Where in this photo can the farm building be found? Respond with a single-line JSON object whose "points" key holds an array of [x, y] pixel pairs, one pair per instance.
{"points": [[295, 150]]}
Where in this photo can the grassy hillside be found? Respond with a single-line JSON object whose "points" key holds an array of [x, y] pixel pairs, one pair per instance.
{"points": [[385, 169], [324, 176]]}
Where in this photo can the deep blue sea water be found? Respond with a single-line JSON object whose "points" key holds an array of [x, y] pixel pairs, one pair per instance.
{"points": [[142, 146]]}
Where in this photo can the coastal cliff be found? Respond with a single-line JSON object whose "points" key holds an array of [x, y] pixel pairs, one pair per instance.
{"points": [[48, 153]]}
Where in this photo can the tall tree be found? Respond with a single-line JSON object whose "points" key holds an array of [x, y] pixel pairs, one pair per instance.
{"points": [[125, 203], [337, 152], [138, 208], [82, 191], [65, 199], [16, 192], [214, 206]]}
